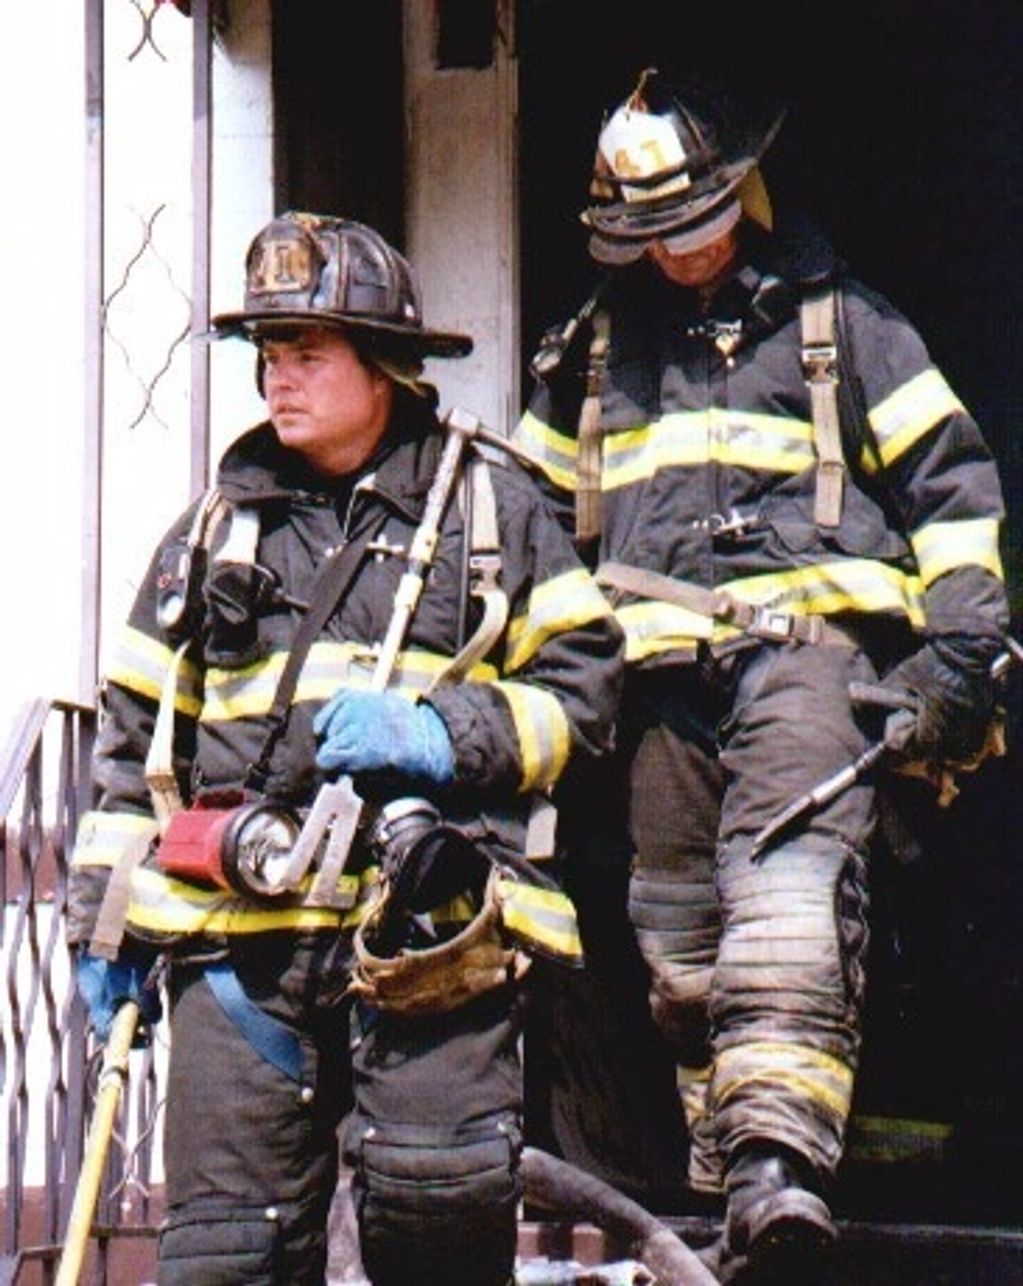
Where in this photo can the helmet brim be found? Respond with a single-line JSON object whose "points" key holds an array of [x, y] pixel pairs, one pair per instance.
{"points": [[425, 343], [683, 240]]}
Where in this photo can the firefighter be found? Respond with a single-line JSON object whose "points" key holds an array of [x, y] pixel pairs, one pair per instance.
{"points": [[798, 524], [248, 688]]}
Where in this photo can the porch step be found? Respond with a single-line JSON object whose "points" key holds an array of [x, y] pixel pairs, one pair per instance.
{"points": [[868, 1253]]}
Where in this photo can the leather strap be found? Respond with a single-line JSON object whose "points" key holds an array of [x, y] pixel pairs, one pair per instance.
{"points": [[751, 619], [588, 468], [820, 368], [332, 582]]}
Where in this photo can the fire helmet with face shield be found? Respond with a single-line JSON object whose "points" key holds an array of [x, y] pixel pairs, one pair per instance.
{"points": [[670, 161], [312, 269]]}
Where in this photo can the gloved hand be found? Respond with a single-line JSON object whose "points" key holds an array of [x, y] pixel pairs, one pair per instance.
{"points": [[948, 689], [365, 731], [105, 985]]}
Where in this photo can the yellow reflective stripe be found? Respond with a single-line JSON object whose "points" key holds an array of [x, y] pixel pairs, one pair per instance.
{"points": [[809, 1073], [943, 546], [693, 1084], [161, 904], [847, 585], [563, 603], [544, 916], [235, 694], [460, 910], [910, 412], [747, 439], [556, 452], [542, 732], [652, 628], [103, 837], [140, 664], [886, 1138], [850, 585]]}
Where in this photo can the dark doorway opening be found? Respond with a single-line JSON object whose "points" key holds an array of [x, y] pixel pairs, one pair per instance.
{"points": [[338, 111]]}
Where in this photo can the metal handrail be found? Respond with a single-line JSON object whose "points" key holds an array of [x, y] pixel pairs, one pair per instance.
{"points": [[43, 791]]}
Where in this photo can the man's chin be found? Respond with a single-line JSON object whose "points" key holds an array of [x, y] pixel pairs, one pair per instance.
{"points": [[291, 429]]}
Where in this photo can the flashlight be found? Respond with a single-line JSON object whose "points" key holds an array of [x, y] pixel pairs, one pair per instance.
{"points": [[244, 849]]}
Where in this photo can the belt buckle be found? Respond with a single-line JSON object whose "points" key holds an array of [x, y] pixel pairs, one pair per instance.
{"points": [[769, 623]]}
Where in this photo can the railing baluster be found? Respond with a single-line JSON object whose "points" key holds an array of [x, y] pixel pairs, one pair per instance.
{"points": [[42, 795]]}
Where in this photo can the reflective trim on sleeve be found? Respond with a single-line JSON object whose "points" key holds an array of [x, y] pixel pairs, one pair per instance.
{"points": [[743, 439], [941, 547], [542, 731], [912, 411], [236, 694], [140, 664], [103, 837], [555, 452], [541, 919], [563, 603]]}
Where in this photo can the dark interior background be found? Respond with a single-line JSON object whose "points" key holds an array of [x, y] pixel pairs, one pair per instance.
{"points": [[902, 141]]}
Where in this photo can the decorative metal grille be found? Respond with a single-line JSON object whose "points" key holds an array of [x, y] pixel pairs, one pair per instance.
{"points": [[47, 1072]]}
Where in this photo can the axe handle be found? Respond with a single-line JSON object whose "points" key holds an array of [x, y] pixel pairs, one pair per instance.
{"points": [[112, 1078]]}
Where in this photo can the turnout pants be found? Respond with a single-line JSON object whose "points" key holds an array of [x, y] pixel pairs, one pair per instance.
{"points": [[756, 967], [435, 1140], [250, 1146]]}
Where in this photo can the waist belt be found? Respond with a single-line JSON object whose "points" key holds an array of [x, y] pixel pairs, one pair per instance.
{"points": [[752, 619]]}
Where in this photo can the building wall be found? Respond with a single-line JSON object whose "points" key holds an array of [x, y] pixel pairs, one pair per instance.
{"points": [[462, 209], [148, 254], [148, 249]]}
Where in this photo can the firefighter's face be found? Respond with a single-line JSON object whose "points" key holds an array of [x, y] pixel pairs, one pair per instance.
{"points": [[324, 401], [695, 268]]}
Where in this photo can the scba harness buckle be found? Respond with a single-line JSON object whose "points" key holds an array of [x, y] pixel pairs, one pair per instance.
{"points": [[769, 623]]}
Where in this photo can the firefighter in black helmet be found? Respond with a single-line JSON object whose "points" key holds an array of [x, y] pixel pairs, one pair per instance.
{"points": [[798, 524], [249, 711]]}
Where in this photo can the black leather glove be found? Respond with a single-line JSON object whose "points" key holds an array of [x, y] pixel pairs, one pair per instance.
{"points": [[948, 688]]}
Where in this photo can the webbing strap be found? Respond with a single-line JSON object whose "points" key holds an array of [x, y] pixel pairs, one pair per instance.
{"points": [[108, 931], [484, 571], [163, 785], [820, 369], [331, 583], [242, 536], [159, 767], [717, 604], [588, 467], [268, 1036]]}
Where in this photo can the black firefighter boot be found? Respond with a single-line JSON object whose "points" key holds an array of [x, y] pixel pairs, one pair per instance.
{"points": [[777, 1228]]}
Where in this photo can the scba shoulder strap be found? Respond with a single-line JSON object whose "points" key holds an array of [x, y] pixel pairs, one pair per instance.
{"points": [[821, 372], [179, 611]]}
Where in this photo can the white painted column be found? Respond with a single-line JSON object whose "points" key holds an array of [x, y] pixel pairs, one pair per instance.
{"points": [[462, 210]]}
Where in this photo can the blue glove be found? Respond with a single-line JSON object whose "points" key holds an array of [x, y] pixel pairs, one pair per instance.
{"points": [[366, 731], [105, 985]]}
